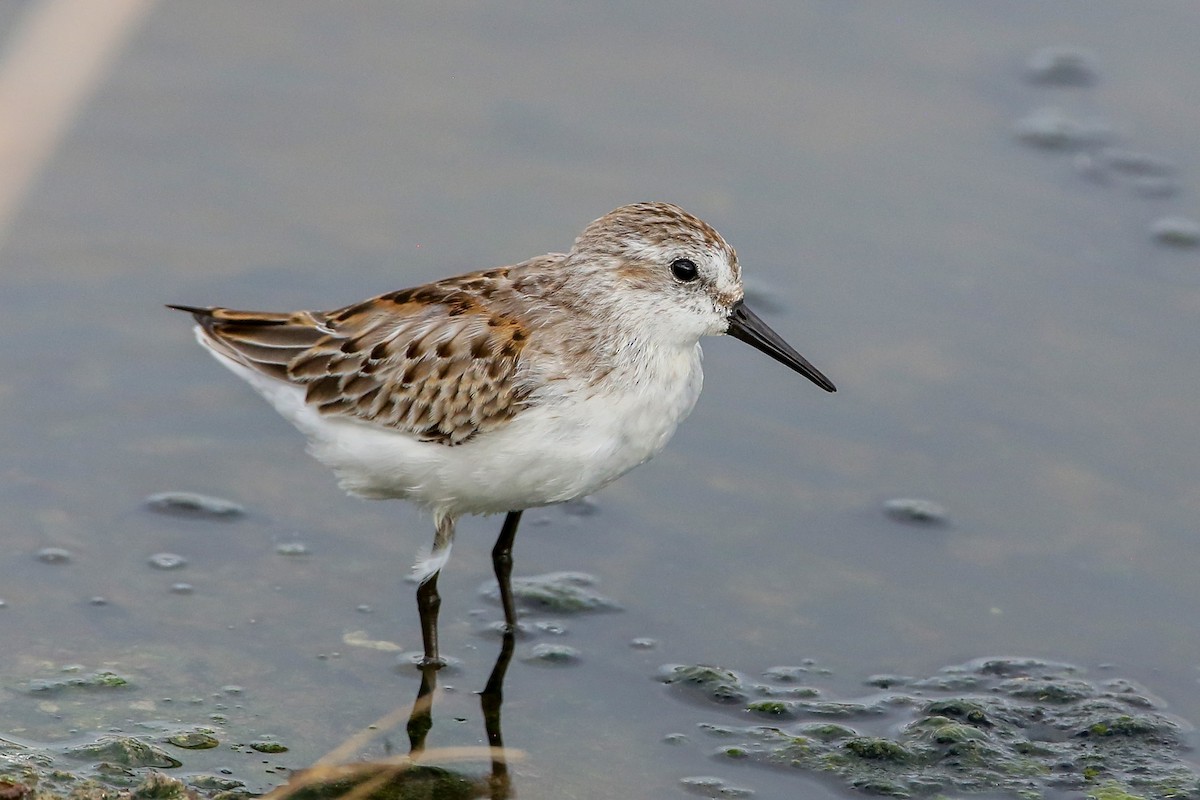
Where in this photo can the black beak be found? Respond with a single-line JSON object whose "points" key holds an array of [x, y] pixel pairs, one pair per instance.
{"points": [[744, 324]]}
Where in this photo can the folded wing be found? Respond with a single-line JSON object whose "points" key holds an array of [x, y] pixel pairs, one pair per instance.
{"points": [[438, 362]]}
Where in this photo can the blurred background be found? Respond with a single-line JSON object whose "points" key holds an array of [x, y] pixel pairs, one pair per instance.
{"points": [[989, 247]]}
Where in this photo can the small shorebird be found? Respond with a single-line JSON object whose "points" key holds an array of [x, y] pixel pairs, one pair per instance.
{"points": [[510, 388]]}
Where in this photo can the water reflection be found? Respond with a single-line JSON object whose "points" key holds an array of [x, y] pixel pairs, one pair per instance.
{"points": [[402, 776]]}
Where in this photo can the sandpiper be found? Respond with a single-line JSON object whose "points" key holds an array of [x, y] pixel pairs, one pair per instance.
{"points": [[505, 389]]}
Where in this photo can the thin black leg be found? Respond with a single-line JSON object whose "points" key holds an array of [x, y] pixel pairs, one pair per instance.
{"points": [[502, 564], [428, 604]]}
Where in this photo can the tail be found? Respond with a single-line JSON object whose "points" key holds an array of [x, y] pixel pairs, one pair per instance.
{"points": [[431, 564], [262, 341]]}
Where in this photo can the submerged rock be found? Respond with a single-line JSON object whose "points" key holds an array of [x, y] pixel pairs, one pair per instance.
{"points": [[1062, 66], [913, 510], [1132, 162], [115, 765], [77, 679], [712, 683], [193, 504], [1177, 231], [1054, 129], [709, 786], [125, 751], [194, 740], [552, 655], [997, 725], [555, 592]]}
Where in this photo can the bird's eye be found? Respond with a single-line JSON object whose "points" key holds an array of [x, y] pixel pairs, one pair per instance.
{"points": [[684, 269]]}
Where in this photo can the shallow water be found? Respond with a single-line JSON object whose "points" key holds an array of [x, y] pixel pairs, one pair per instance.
{"points": [[1007, 338]]}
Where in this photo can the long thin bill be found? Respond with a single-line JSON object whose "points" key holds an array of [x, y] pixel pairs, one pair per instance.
{"points": [[744, 324]]}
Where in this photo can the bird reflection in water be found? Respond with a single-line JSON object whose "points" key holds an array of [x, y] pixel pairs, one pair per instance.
{"points": [[412, 775]]}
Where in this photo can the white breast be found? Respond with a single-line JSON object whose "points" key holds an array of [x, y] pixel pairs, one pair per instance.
{"points": [[573, 441]]}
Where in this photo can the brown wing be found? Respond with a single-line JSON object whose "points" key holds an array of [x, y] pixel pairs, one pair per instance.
{"points": [[439, 361]]}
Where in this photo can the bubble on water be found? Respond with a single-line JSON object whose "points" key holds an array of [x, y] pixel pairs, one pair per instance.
{"points": [[550, 627], [552, 655], [415, 660], [53, 555], [167, 561], [499, 627]]}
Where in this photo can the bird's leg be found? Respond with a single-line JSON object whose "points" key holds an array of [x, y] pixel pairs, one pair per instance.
{"points": [[502, 564], [428, 603], [492, 697], [428, 599]]}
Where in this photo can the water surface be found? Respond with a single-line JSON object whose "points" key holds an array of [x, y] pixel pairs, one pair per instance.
{"points": [[1007, 338]]}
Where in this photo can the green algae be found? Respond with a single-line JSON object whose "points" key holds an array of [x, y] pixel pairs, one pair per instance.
{"points": [[942, 730], [194, 740], [153, 785], [102, 679], [716, 684], [771, 708], [1014, 726], [826, 732], [124, 751], [877, 749], [1111, 790]]}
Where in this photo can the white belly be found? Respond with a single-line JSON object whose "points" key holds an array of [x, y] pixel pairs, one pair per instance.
{"points": [[573, 442]]}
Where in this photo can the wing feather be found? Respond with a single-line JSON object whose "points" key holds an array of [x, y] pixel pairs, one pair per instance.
{"points": [[441, 362]]}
